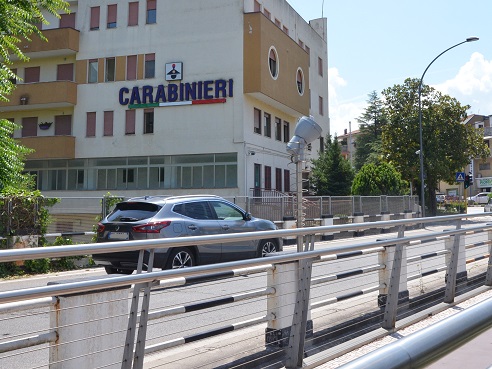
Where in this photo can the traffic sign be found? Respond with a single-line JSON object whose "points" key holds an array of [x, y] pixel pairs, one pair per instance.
{"points": [[460, 176]]}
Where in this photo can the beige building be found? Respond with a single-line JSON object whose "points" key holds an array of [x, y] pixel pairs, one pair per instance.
{"points": [[479, 170], [169, 97]]}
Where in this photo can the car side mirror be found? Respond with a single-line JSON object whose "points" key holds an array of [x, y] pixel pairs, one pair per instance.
{"points": [[247, 216]]}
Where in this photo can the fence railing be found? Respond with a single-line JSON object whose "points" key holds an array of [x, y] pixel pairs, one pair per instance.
{"points": [[91, 324], [80, 214]]}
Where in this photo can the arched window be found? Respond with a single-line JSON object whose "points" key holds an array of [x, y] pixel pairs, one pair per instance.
{"points": [[300, 81], [273, 62]]}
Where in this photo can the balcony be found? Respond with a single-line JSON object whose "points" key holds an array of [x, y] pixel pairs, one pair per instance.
{"points": [[50, 147], [259, 35], [61, 41], [41, 95]]}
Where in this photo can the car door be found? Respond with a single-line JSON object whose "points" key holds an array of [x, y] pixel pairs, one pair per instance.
{"points": [[199, 220], [232, 220]]}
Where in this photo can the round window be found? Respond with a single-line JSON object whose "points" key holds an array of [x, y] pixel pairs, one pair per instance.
{"points": [[273, 62]]}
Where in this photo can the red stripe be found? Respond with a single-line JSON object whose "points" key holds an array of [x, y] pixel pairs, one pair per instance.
{"points": [[210, 101]]}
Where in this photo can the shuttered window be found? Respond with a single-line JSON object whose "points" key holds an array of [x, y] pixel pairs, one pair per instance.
{"points": [[131, 67], [130, 122], [112, 10], [64, 72], [31, 74], [63, 125], [67, 20], [95, 16], [29, 126], [133, 13], [91, 124], [108, 123]]}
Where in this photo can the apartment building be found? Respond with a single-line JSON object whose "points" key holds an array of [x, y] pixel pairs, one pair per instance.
{"points": [[169, 97]]}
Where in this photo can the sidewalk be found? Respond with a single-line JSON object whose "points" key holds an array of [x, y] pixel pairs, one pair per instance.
{"points": [[474, 354]]}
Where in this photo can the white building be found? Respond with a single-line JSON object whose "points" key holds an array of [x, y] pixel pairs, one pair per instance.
{"points": [[169, 97]]}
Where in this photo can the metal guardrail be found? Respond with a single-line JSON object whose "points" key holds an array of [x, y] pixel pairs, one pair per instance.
{"points": [[272, 265]]}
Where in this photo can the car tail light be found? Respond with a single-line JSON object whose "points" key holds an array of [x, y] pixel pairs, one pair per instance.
{"points": [[100, 228], [154, 227]]}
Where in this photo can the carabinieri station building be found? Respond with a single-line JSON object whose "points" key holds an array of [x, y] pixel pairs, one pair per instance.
{"points": [[169, 97]]}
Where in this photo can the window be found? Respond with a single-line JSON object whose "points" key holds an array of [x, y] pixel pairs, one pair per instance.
{"points": [[301, 43], [90, 130], [64, 72], [267, 13], [128, 175], [268, 177], [300, 81], [130, 122], [151, 11], [63, 125], [272, 62], [257, 7], [133, 13], [92, 74], [257, 128], [278, 179], [149, 65], [286, 30], [267, 124], [278, 24], [131, 67], [257, 180], [321, 144], [226, 212], [149, 121], [31, 74], [108, 123], [278, 129], [109, 73], [286, 180], [320, 99], [95, 12], [13, 80], [195, 210], [112, 9], [286, 131], [320, 66], [29, 127], [67, 20]]}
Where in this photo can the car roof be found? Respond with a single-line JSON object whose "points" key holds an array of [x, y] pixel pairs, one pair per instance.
{"points": [[156, 199]]}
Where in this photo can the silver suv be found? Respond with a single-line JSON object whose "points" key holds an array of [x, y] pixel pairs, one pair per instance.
{"points": [[153, 217]]}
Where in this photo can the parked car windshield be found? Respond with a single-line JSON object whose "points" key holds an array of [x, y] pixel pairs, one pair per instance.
{"points": [[133, 211]]}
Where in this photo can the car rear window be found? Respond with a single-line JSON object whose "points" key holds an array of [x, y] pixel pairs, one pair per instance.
{"points": [[133, 211]]}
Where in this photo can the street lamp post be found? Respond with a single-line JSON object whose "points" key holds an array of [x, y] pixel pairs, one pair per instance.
{"points": [[421, 153]]}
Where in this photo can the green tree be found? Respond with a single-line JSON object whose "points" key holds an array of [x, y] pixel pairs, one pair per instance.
{"points": [[378, 179], [331, 174], [448, 144], [368, 141], [18, 20]]}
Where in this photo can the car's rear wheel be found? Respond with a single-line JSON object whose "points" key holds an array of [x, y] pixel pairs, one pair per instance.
{"points": [[180, 258], [267, 247], [113, 270]]}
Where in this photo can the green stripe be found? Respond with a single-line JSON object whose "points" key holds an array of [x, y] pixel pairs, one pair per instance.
{"points": [[139, 106]]}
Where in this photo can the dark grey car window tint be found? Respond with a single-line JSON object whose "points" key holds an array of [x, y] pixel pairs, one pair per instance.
{"points": [[195, 210], [133, 211]]}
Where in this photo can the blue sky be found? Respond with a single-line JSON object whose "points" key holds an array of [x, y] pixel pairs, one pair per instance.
{"points": [[377, 44]]}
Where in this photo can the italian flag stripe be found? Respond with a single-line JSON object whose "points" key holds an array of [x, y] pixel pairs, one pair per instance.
{"points": [[177, 103]]}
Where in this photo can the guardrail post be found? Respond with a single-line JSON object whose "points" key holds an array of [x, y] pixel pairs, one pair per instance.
{"points": [[358, 218], [395, 261], [327, 220], [89, 329], [289, 280], [295, 351], [289, 223], [488, 276], [456, 262], [385, 217]]}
